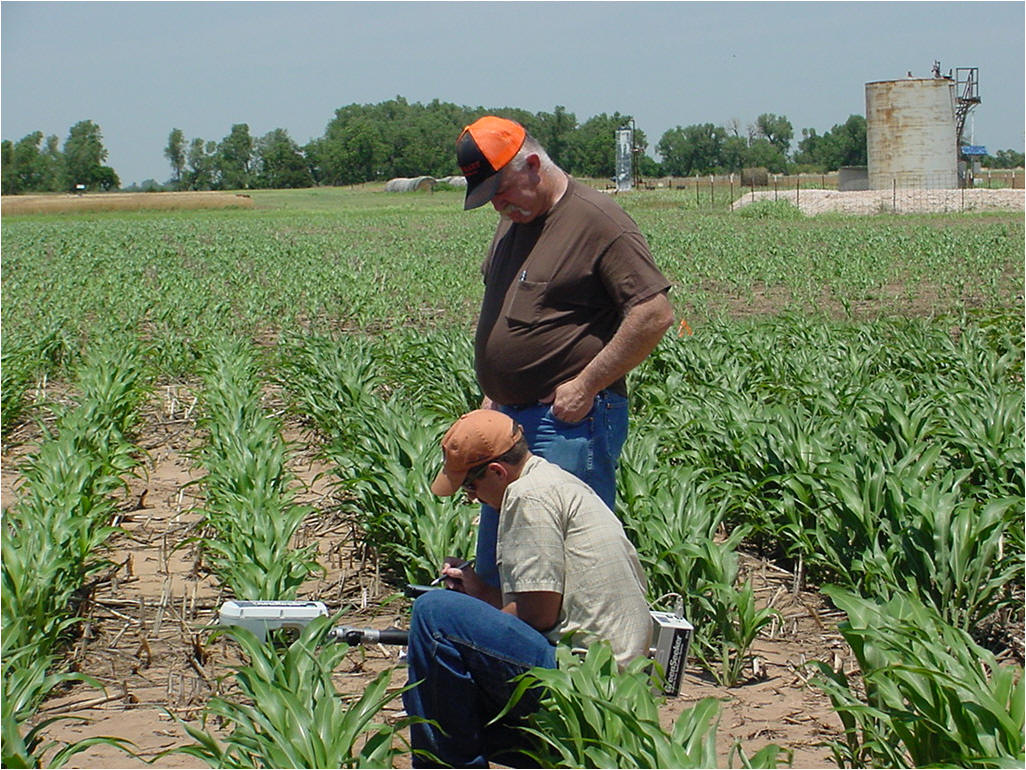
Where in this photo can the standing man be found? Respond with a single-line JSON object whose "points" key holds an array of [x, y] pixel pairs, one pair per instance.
{"points": [[567, 570], [573, 301]]}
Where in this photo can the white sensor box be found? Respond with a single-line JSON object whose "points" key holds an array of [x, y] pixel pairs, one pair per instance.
{"points": [[262, 616], [671, 638]]}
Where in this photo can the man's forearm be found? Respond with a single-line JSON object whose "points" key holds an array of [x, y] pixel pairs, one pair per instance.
{"points": [[639, 333], [539, 609]]}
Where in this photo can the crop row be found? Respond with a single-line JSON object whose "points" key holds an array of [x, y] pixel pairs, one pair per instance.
{"points": [[54, 540], [249, 513]]}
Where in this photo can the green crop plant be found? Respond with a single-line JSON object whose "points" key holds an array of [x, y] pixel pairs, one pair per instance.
{"points": [[331, 381], [27, 679], [949, 550], [726, 619], [434, 369], [984, 431], [844, 394], [594, 715], [388, 473], [249, 507], [676, 519], [17, 376], [63, 513], [365, 266], [925, 694], [384, 441], [52, 541], [900, 526], [287, 712], [766, 209]]}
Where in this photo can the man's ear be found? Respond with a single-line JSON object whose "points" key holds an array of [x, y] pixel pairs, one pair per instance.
{"points": [[533, 161]]}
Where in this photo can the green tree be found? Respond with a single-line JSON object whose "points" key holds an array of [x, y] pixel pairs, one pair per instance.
{"points": [[280, 163], [84, 155], [106, 179], [235, 159], [1003, 159], [53, 164], [850, 138], [555, 131], [28, 169], [201, 160], [175, 152], [649, 166], [843, 145], [7, 167], [810, 149], [733, 154], [591, 149], [693, 149], [421, 138], [762, 153], [352, 149], [776, 129]]}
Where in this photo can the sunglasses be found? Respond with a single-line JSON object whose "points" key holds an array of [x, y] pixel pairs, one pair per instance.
{"points": [[470, 480]]}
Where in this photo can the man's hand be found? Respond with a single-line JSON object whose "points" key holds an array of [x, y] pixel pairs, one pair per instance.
{"points": [[636, 337], [571, 401], [466, 581]]}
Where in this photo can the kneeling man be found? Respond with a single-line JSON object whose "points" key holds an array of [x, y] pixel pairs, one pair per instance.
{"points": [[566, 568]]}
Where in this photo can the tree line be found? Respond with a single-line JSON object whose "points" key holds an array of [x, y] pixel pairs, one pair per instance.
{"points": [[368, 142], [34, 165]]}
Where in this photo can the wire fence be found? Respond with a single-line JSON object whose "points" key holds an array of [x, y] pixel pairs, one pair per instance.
{"points": [[900, 194]]}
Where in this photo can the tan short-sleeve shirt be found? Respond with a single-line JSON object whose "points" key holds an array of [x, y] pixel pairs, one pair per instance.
{"points": [[555, 534]]}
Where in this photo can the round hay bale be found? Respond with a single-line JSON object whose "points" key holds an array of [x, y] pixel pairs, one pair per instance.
{"points": [[410, 184], [755, 177], [454, 181]]}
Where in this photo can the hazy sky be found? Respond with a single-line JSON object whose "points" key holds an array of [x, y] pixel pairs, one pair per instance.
{"points": [[139, 69]]}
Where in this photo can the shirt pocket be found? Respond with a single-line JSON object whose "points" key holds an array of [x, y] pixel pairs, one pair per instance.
{"points": [[526, 302]]}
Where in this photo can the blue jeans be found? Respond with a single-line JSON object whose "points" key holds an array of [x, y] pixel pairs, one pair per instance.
{"points": [[464, 652], [589, 449]]}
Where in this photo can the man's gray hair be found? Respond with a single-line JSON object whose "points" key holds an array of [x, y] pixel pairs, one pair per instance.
{"points": [[531, 146]]}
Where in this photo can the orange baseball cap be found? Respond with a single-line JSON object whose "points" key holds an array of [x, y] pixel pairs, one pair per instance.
{"points": [[482, 150], [475, 438]]}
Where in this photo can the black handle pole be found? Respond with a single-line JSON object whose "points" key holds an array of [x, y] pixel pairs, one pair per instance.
{"points": [[354, 636]]}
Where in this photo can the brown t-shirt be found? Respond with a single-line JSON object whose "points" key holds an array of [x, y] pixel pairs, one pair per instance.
{"points": [[556, 290]]}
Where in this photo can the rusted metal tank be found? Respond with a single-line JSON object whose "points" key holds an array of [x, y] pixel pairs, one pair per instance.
{"points": [[910, 133]]}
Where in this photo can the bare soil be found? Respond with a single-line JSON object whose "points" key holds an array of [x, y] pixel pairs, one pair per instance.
{"points": [[145, 636]]}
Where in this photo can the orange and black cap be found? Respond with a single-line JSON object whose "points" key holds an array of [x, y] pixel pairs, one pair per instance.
{"points": [[482, 150]]}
